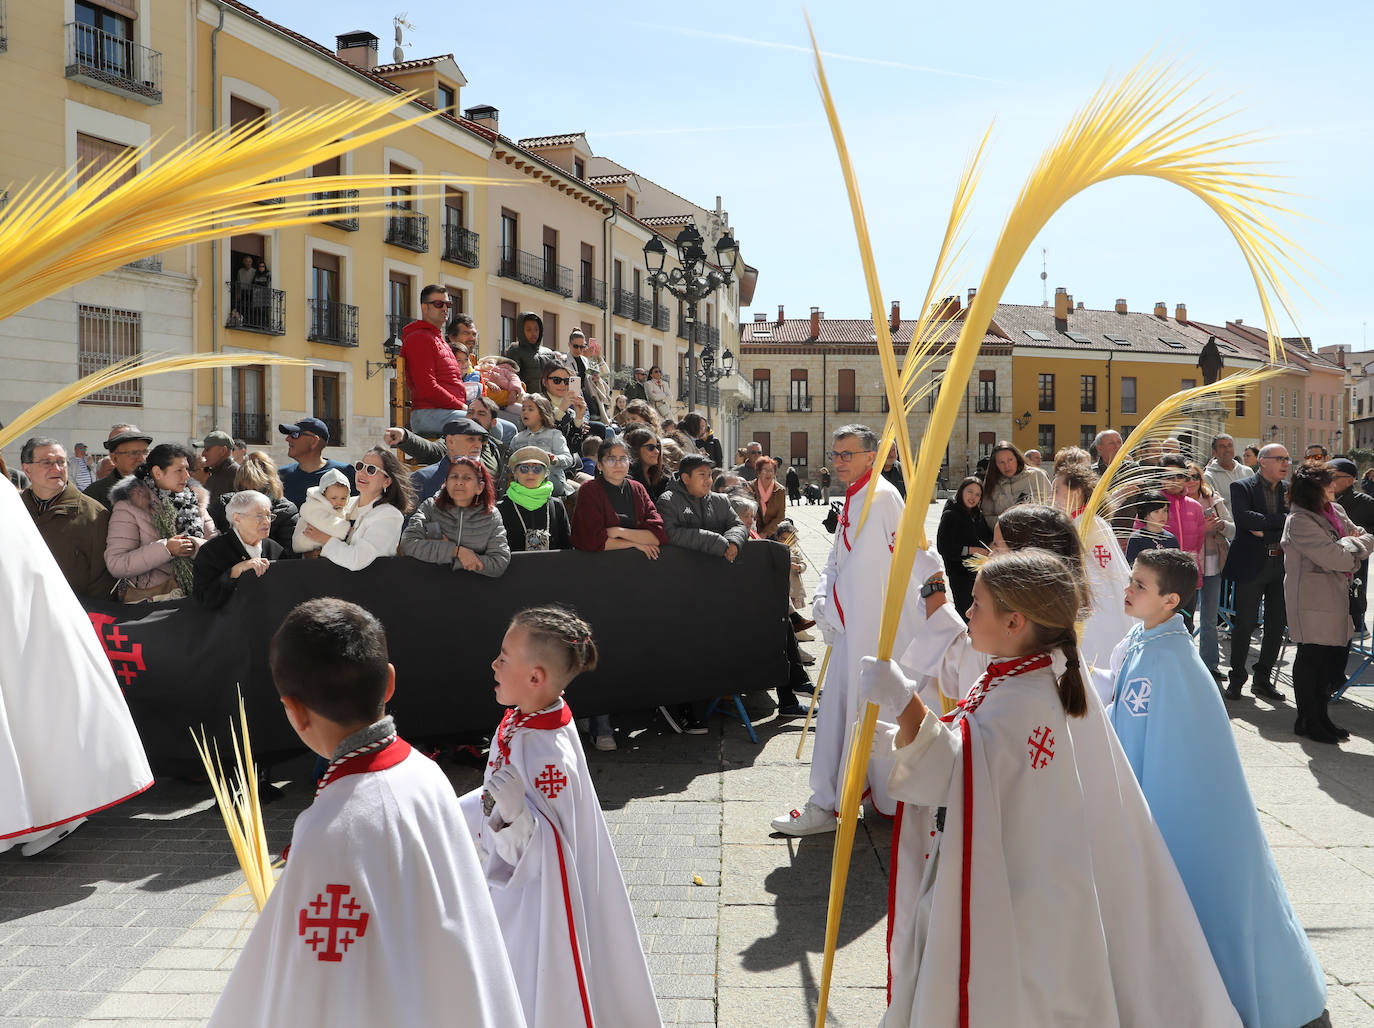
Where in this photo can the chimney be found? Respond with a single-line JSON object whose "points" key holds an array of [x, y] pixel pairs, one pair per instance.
{"points": [[971, 294], [780, 317], [1080, 305], [485, 115], [1062, 303], [1161, 310], [357, 48], [1181, 312], [895, 320], [1121, 305], [816, 316], [760, 316]]}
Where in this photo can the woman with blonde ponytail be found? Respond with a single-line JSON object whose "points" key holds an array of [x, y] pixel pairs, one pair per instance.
{"points": [[1030, 885]]}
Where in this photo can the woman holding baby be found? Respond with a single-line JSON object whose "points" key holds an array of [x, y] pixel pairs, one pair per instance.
{"points": [[375, 515]]}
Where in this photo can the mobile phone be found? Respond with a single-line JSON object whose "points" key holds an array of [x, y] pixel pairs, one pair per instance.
{"points": [[575, 385]]}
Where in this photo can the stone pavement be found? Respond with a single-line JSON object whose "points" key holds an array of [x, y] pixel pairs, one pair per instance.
{"points": [[127, 922]]}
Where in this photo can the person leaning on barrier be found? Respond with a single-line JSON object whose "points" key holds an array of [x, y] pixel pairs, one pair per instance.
{"points": [[378, 513], [246, 548], [127, 447], [696, 518], [646, 460], [74, 526], [765, 491], [459, 526], [534, 518], [258, 473], [614, 512]]}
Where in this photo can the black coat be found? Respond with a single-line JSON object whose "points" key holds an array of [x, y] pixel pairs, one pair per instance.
{"points": [[212, 585], [285, 514], [1249, 552], [957, 532]]}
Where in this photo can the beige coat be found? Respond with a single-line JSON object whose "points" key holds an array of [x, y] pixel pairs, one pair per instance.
{"points": [[1316, 586]]}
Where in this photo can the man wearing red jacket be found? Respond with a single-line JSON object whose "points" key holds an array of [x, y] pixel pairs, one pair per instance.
{"points": [[437, 393]]}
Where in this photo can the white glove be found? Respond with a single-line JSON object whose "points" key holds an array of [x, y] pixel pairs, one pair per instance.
{"points": [[926, 566], [882, 682], [507, 788]]}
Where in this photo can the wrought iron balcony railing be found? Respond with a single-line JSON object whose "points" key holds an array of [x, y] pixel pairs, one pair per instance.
{"points": [[988, 405], [333, 322], [410, 231], [662, 321], [115, 65], [592, 291], [251, 428], [521, 266], [336, 203], [644, 310], [461, 246], [625, 305], [558, 279], [256, 309]]}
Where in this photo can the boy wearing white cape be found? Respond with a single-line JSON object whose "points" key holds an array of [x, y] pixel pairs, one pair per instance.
{"points": [[559, 896], [382, 915], [1030, 888]]}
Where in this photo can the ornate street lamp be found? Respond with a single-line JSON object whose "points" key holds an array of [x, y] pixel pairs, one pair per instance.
{"points": [[691, 282]]}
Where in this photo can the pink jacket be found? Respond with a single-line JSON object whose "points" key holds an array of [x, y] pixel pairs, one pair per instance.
{"points": [[133, 549], [1189, 525]]}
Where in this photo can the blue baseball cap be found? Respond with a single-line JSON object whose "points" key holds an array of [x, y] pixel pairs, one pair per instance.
{"points": [[314, 426]]}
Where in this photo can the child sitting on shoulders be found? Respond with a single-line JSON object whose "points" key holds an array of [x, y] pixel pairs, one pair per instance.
{"points": [[382, 915], [325, 508], [560, 899], [1152, 514], [1177, 737]]}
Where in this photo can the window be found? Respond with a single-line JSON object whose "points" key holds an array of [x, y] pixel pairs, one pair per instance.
{"points": [[618, 275], [550, 255], [986, 441], [551, 336], [508, 313], [249, 415], [1309, 407], [444, 98], [94, 154], [798, 447], [242, 112], [327, 319], [1188, 383], [455, 203], [398, 302], [1283, 403], [618, 352], [1046, 392], [987, 392], [764, 439], [763, 389], [510, 239], [324, 269], [658, 356], [1036, 334], [1044, 441], [1268, 401], [847, 400], [327, 406], [1240, 403], [579, 167], [105, 336], [98, 18], [800, 397], [1087, 393], [1086, 435], [585, 266], [1128, 400], [638, 283]]}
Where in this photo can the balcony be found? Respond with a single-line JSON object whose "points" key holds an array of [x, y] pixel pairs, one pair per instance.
{"points": [[707, 395], [251, 428], [461, 246], [644, 310], [558, 279], [592, 291], [333, 322], [343, 214], [799, 404], [115, 65], [847, 405], [394, 324], [4, 34], [273, 199], [256, 309], [153, 264], [988, 405], [625, 304], [662, 321], [521, 266], [410, 231], [706, 334]]}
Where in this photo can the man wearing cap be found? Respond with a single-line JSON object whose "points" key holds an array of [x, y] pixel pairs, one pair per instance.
{"points": [[127, 447], [218, 463], [463, 437], [305, 443], [79, 470], [636, 390], [433, 376], [74, 526]]}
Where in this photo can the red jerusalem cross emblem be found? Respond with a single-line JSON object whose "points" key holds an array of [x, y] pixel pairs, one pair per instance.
{"points": [[332, 930], [1103, 555], [1041, 745], [124, 655], [551, 781]]}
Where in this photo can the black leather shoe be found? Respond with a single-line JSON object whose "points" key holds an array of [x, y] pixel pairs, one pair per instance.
{"points": [[1266, 691], [1340, 733], [1233, 690]]}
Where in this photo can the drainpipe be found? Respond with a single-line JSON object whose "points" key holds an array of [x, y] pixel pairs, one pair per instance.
{"points": [[216, 378], [1108, 411], [607, 314]]}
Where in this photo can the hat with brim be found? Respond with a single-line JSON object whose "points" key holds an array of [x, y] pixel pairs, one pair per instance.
{"points": [[529, 455], [1344, 466], [463, 426], [132, 434]]}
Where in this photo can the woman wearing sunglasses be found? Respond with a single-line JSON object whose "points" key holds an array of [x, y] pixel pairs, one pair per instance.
{"points": [[533, 515], [378, 512], [541, 431], [569, 408], [646, 461], [458, 526], [1187, 521]]}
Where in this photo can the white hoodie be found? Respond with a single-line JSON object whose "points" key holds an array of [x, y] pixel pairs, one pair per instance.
{"points": [[318, 512]]}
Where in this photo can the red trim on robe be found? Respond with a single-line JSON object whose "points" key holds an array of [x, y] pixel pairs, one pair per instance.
{"points": [[548, 720], [378, 760], [892, 890], [572, 928], [77, 817], [965, 940], [844, 514], [834, 593]]}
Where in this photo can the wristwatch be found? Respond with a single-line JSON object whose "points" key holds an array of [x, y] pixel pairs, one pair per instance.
{"points": [[931, 588]]}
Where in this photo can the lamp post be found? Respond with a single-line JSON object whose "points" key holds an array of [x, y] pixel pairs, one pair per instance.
{"points": [[691, 283], [709, 374]]}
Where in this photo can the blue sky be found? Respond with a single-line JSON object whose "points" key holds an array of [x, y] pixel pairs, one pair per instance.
{"points": [[719, 98]]}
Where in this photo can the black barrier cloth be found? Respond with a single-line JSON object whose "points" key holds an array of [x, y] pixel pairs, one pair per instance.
{"points": [[684, 627]]}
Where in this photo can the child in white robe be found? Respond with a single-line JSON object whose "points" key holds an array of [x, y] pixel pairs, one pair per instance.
{"points": [[382, 914], [1030, 887], [554, 879], [325, 508]]}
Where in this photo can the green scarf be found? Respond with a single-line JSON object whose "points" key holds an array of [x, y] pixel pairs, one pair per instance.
{"points": [[530, 499]]}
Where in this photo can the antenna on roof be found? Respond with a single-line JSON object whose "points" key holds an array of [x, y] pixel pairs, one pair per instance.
{"points": [[399, 22], [1044, 278]]}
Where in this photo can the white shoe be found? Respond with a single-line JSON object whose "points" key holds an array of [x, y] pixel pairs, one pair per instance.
{"points": [[604, 742], [805, 636], [810, 820], [50, 838]]}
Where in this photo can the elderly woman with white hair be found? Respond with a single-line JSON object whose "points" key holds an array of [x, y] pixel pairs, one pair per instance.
{"points": [[245, 549]]}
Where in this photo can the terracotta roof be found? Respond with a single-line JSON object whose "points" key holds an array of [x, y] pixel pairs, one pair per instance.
{"points": [[1133, 332], [565, 139], [609, 180], [855, 331], [1254, 339], [667, 219]]}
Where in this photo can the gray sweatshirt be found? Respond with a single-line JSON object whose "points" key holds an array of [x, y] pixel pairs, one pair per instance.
{"points": [[708, 524], [433, 531]]}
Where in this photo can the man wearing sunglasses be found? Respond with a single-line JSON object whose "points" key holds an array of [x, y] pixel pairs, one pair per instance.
{"points": [[305, 443], [433, 376]]}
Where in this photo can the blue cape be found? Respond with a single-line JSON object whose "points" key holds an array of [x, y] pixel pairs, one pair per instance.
{"points": [[1172, 724]]}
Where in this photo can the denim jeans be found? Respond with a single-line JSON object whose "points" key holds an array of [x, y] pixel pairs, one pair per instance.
{"points": [[600, 724], [1208, 646], [430, 421]]}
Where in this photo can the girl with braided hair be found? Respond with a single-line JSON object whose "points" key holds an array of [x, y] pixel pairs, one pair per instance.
{"points": [[552, 873], [1030, 885]]}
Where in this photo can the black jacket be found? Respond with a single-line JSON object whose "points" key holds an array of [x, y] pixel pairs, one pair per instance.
{"points": [[285, 514], [515, 520], [959, 530], [531, 359], [1248, 552], [213, 586]]}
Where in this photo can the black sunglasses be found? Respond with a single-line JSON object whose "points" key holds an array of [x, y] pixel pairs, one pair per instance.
{"points": [[559, 379]]}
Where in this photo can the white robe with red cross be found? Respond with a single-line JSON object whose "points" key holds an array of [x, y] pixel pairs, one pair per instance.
{"points": [[382, 915], [1029, 887], [848, 603], [68, 746], [556, 884], [1108, 575]]}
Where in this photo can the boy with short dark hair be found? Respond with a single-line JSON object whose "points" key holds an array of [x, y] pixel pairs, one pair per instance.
{"points": [[1152, 514], [1177, 737], [382, 915]]}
